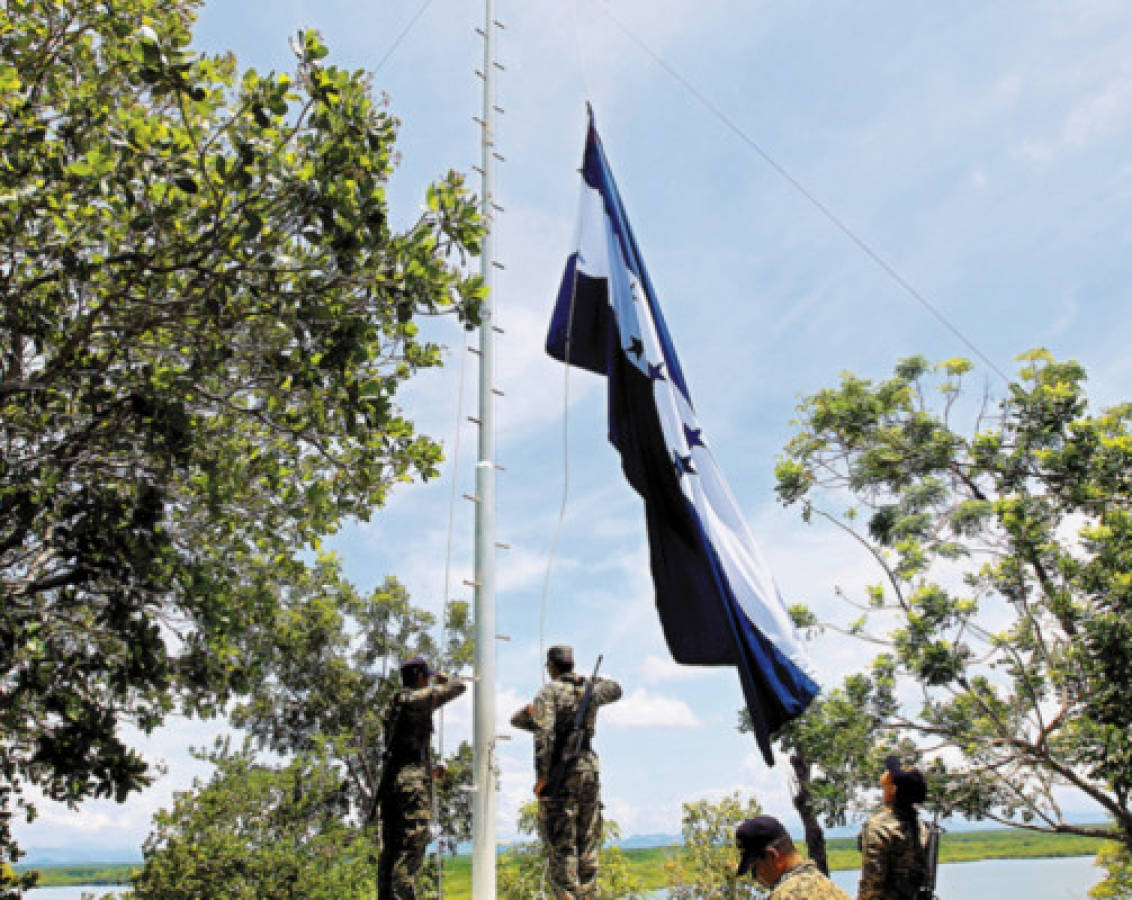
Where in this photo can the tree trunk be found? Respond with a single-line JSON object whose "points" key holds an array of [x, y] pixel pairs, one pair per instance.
{"points": [[815, 836]]}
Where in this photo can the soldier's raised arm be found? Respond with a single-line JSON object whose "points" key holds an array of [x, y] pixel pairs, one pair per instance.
{"points": [[606, 690], [524, 718], [436, 695]]}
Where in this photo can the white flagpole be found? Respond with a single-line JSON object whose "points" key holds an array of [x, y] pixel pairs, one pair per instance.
{"points": [[483, 694]]}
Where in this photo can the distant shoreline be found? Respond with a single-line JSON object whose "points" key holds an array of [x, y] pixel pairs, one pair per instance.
{"points": [[648, 863], [980, 845]]}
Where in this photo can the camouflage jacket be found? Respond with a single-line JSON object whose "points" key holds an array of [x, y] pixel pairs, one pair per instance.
{"points": [[805, 882], [551, 718], [893, 863], [410, 721]]}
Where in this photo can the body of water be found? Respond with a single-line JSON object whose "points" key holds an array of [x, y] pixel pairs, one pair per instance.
{"points": [[1063, 878]]}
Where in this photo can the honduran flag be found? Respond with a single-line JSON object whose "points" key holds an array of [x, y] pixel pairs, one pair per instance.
{"points": [[717, 601]]}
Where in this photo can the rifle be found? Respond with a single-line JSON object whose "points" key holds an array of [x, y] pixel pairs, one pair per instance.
{"points": [[931, 859], [573, 744], [392, 723]]}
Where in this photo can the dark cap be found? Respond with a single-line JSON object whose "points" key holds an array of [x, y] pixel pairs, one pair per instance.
{"points": [[754, 836], [909, 783], [561, 656], [417, 662]]}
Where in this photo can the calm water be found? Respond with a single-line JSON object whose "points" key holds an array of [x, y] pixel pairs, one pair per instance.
{"points": [[1067, 878], [994, 879], [72, 893]]}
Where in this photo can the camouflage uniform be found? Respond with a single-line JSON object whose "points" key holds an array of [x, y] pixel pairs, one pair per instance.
{"points": [[893, 863], [571, 821], [805, 882], [406, 794]]}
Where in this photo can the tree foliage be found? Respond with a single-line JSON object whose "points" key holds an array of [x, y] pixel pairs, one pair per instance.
{"points": [[1117, 884], [708, 858], [254, 831], [328, 663], [205, 317], [320, 704], [836, 749], [523, 874], [1005, 597]]}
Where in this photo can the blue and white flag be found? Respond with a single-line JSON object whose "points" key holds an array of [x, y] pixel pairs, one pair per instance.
{"points": [[717, 601]]}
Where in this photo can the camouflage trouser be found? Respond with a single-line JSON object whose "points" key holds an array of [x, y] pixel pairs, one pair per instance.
{"points": [[405, 815], [572, 836]]}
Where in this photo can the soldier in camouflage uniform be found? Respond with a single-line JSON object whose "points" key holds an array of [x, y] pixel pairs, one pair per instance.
{"points": [[893, 859], [571, 821], [771, 858], [405, 793]]}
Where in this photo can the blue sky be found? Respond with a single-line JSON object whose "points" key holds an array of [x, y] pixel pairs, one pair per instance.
{"points": [[981, 149]]}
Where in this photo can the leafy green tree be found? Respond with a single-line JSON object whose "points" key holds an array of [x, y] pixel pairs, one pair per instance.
{"points": [[1004, 600], [708, 858], [454, 799], [254, 831], [205, 317], [12, 883], [1117, 885], [328, 665], [614, 880], [522, 872], [837, 747]]}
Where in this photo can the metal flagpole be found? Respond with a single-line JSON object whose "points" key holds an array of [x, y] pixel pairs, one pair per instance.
{"points": [[483, 694]]}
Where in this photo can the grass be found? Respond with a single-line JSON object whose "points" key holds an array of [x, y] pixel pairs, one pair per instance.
{"points": [[647, 865], [971, 846], [87, 873]]}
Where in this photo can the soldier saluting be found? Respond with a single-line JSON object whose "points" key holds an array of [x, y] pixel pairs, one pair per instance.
{"points": [[562, 718], [405, 792]]}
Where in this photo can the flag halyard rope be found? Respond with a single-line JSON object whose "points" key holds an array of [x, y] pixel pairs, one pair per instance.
{"points": [[402, 35], [821, 207], [565, 477]]}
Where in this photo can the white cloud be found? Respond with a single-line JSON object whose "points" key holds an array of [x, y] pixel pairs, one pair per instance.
{"points": [[121, 827], [770, 786], [655, 669], [516, 783], [1098, 114], [1095, 115], [643, 709], [1071, 309], [519, 569]]}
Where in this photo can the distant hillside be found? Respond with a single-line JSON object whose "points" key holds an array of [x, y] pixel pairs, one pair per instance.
{"points": [[643, 841]]}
